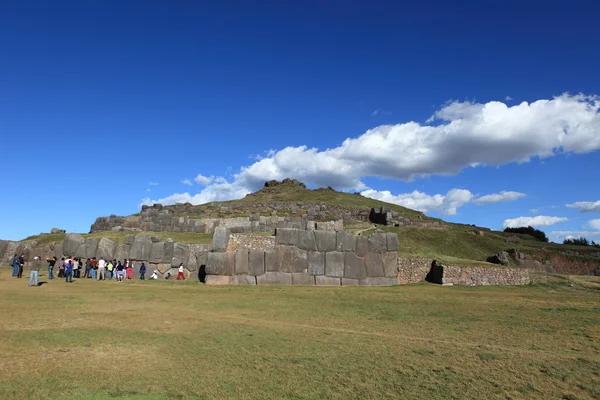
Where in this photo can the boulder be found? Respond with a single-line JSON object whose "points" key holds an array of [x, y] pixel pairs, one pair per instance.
{"points": [[284, 236], [141, 248], [162, 268], [499, 258], [362, 246], [321, 280], [345, 241], [306, 240], [374, 265], [71, 243], [301, 278], [91, 247], [274, 278], [326, 240], [168, 254], [56, 231], [154, 239], [273, 259], [354, 266], [58, 251], [256, 262], [122, 252], [334, 263], [316, 263], [390, 265], [181, 254], [294, 259], [157, 253], [241, 262], [378, 242], [191, 264], [3, 248], [392, 242], [106, 249], [79, 253], [220, 239], [220, 263]]}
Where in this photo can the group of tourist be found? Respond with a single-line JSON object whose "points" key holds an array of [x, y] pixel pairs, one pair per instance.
{"points": [[69, 268]]}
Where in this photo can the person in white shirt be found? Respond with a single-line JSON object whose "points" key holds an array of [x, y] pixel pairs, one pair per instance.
{"points": [[154, 275], [180, 274], [101, 269]]}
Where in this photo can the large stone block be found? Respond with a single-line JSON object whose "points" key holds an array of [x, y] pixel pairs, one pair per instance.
{"points": [[71, 243], [91, 247], [354, 266], [378, 242], [362, 246], [379, 281], [306, 240], [243, 280], [220, 239], [316, 263], [129, 240], [350, 282], [217, 279], [79, 253], [106, 249], [157, 254], [274, 259], [256, 262], [392, 241], [181, 254], [334, 263], [168, 254], [122, 252], [274, 278], [294, 259], [301, 278], [374, 265], [192, 263], [241, 262], [321, 280], [390, 265], [345, 241], [58, 250], [141, 248], [326, 240], [220, 263], [285, 236]]}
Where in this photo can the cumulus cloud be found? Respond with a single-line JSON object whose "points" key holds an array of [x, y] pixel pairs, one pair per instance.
{"points": [[204, 180], [215, 192], [540, 220], [586, 206], [594, 224], [464, 134], [187, 182], [503, 196], [443, 204]]}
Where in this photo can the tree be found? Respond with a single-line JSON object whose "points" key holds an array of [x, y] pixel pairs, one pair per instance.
{"points": [[529, 230]]}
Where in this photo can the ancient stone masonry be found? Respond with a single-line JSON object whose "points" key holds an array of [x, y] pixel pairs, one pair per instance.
{"points": [[250, 242], [385, 216], [306, 257]]}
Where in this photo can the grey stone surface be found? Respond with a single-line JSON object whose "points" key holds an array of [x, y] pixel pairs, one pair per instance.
{"points": [[392, 241], [129, 239], [220, 239], [294, 259], [243, 280], [316, 263], [241, 262], [181, 254], [56, 230], [157, 254], [300, 278], [3, 248], [217, 279], [345, 241], [374, 265], [256, 262], [499, 258], [286, 236], [154, 239], [192, 263], [334, 263], [141, 248], [326, 240], [71, 243], [354, 266], [58, 250], [220, 263], [350, 282], [362, 246], [91, 247], [379, 281], [378, 242], [306, 240], [122, 252], [390, 265], [274, 278], [273, 259], [321, 280], [168, 254]]}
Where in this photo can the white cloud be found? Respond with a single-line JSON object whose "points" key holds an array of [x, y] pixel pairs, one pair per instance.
{"points": [[594, 224], [187, 182], [508, 98], [540, 220], [534, 211], [464, 135], [586, 206], [503, 196], [443, 204], [559, 236], [204, 180], [153, 183], [215, 192]]}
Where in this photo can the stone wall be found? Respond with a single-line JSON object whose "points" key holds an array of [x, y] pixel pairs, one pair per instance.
{"points": [[305, 257], [415, 270], [385, 216], [250, 242]]}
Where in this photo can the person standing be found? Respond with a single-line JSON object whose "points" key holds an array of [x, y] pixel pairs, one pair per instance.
{"points": [[69, 271], [51, 264], [34, 271], [61, 268], [129, 269], [15, 265], [88, 268], [110, 267], [120, 271], [180, 274], [76, 268], [101, 269], [21, 265], [93, 269], [143, 272]]}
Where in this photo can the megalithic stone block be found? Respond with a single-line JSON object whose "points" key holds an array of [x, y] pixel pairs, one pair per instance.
{"points": [[220, 239], [256, 261], [220, 264], [334, 264], [241, 262], [316, 263], [354, 266]]}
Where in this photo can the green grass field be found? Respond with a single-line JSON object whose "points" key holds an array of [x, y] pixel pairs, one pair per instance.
{"points": [[180, 340]]}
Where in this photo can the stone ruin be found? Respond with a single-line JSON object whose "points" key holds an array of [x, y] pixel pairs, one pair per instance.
{"points": [[386, 216]]}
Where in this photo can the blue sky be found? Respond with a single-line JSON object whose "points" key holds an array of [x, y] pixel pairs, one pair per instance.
{"points": [[105, 105]]}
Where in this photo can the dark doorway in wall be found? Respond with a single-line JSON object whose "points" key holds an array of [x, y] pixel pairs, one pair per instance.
{"points": [[436, 273]]}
